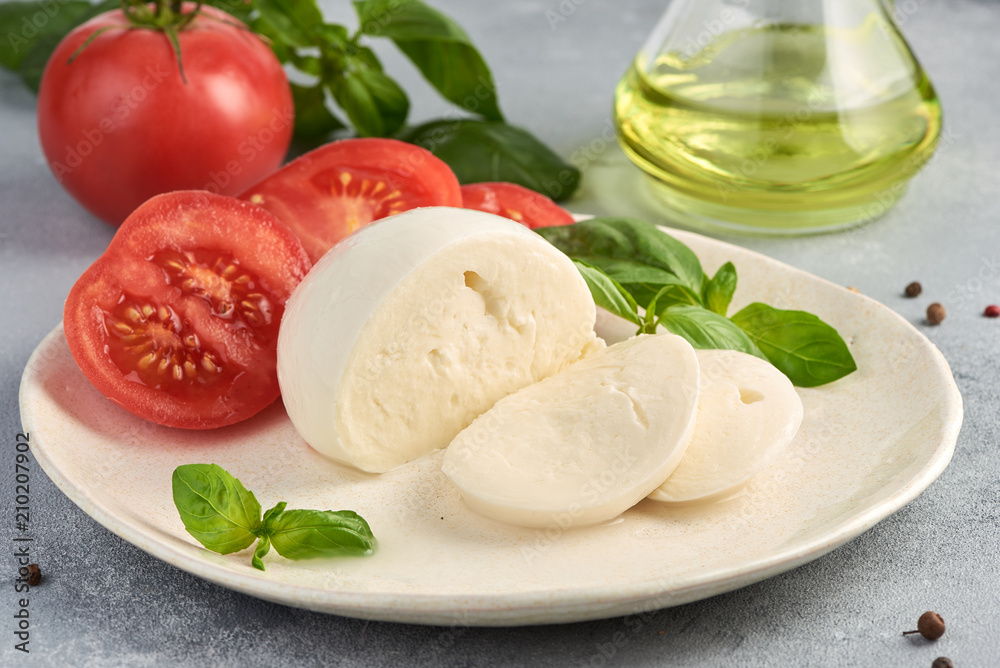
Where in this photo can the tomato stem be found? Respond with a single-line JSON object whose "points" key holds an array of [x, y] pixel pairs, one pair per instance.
{"points": [[97, 33], [166, 16], [171, 33]]}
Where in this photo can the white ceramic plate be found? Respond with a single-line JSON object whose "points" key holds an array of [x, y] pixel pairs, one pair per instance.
{"points": [[869, 444]]}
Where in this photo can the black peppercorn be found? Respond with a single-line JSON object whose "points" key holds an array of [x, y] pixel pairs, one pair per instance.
{"points": [[935, 314], [34, 575], [913, 289], [930, 625], [942, 662]]}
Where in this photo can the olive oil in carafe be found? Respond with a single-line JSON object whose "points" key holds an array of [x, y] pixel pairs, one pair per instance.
{"points": [[760, 130]]}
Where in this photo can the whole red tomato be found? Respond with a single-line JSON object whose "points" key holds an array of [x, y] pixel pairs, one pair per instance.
{"points": [[119, 124]]}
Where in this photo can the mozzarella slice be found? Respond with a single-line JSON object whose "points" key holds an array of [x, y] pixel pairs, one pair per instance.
{"points": [[410, 328], [748, 413], [585, 445]]}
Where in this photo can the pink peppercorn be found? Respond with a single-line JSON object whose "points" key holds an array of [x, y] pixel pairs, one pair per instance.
{"points": [[992, 311]]}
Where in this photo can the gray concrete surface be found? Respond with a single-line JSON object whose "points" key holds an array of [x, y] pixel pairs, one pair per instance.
{"points": [[106, 603]]}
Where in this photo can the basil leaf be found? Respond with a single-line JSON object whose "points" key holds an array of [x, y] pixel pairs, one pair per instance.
{"points": [[215, 507], [480, 151], [374, 103], [608, 294], [643, 281], [665, 295], [238, 9], [629, 271], [263, 547], [631, 240], [389, 98], [706, 330], [293, 21], [439, 48], [719, 291], [307, 534], [19, 23], [33, 65], [29, 55], [312, 117], [458, 72], [803, 347], [357, 102], [271, 514], [284, 51]]}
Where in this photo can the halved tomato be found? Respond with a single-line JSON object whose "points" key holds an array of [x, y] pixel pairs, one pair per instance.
{"points": [[328, 193], [177, 322], [515, 202]]}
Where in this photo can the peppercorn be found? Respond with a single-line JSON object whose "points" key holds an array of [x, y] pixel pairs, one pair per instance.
{"points": [[930, 625], [992, 311], [942, 662], [935, 314], [913, 289], [34, 575]]}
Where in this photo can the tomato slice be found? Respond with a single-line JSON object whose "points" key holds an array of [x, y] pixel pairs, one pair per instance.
{"points": [[515, 202], [177, 322], [330, 192]]}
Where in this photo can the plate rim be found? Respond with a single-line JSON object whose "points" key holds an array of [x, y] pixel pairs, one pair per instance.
{"points": [[518, 608]]}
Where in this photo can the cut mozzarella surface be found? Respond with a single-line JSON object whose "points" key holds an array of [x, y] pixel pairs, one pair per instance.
{"points": [[407, 330], [748, 413], [585, 445], [614, 329]]}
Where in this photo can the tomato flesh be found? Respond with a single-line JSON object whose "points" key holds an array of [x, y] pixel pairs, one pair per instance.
{"points": [[516, 202], [359, 196], [150, 343], [177, 322], [332, 191], [217, 278]]}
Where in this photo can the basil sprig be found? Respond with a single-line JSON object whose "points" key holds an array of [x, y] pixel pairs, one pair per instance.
{"points": [[627, 263], [343, 81], [225, 517]]}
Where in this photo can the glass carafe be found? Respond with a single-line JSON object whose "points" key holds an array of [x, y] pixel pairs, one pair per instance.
{"points": [[777, 116]]}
